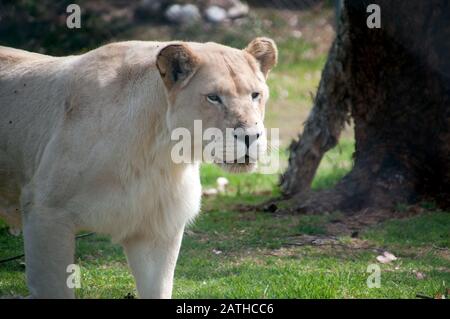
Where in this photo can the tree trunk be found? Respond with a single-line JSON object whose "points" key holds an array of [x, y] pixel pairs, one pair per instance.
{"points": [[394, 82]]}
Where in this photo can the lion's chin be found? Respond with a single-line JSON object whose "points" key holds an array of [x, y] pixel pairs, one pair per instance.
{"points": [[238, 167]]}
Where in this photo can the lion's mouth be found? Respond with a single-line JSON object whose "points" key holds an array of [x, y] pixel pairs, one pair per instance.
{"points": [[245, 160], [243, 164], [238, 167]]}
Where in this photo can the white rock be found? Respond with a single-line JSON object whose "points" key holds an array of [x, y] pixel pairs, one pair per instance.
{"points": [[382, 259], [183, 14], [386, 258], [215, 14], [389, 256], [239, 10], [222, 183]]}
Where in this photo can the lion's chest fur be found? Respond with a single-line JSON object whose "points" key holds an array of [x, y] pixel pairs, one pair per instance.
{"points": [[156, 204]]}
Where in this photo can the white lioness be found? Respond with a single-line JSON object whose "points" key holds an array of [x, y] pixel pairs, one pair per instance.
{"points": [[85, 144]]}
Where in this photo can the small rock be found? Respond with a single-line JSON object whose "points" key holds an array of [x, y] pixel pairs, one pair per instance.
{"points": [[386, 258], [183, 14], [215, 14], [217, 252], [383, 259], [239, 10], [419, 275], [389, 256], [222, 183]]}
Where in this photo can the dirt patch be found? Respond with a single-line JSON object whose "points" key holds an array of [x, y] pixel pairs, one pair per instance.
{"points": [[343, 231], [354, 223], [342, 224], [331, 243]]}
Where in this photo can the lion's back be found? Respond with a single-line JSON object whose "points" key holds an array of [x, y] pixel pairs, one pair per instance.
{"points": [[10, 56]]}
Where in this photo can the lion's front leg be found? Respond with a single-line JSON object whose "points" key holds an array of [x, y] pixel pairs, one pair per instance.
{"points": [[49, 250], [152, 263]]}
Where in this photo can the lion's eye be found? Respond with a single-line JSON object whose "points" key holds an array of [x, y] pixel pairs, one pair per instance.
{"points": [[255, 96], [213, 98]]}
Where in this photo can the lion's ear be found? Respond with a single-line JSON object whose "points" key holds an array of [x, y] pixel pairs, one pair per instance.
{"points": [[265, 51], [176, 64]]}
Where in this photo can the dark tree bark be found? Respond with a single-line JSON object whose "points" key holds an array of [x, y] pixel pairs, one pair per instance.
{"points": [[395, 83]]}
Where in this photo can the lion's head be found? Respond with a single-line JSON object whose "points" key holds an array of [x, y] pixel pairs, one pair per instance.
{"points": [[226, 89]]}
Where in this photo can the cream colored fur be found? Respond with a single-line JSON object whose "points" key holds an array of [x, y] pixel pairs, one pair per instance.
{"points": [[85, 145]]}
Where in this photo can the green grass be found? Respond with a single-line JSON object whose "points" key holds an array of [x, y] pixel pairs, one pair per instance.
{"points": [[427, 229]]}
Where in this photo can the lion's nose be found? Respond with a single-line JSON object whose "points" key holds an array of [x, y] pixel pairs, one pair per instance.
{"points": [[248, 138]]}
